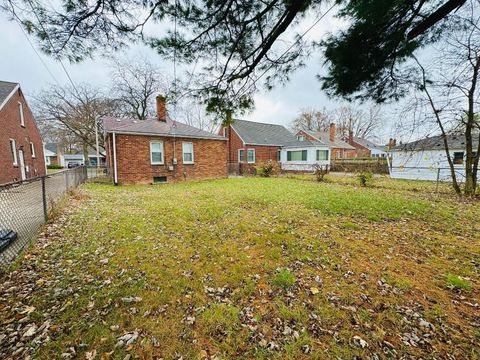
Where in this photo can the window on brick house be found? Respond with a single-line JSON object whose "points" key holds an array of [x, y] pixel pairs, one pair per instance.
{"points": [[241, 155], [13, 149], [300, 138], [251, 156], [20, 111], [458, 157], [187, 149], [32, 150], [156, 152], [297, 155], [279, 155]]}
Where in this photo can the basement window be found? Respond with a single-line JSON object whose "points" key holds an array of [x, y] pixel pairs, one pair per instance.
{"points": [[159, 179], [458, 158]]}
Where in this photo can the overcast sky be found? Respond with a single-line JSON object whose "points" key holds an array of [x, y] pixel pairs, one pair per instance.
{"points": [[19, 63]]}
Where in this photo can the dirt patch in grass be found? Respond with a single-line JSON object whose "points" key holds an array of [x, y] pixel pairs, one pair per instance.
{"points": [[248, 268]]}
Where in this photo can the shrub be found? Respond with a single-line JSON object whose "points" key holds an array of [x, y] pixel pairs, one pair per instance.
{"points": [[320, 171], [365, 178], [54, 166], [284, 279], [267, 169]]}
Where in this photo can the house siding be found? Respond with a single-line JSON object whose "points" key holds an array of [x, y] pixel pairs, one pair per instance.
{"points": [[133, 159], [335, 153], [11, 129]]}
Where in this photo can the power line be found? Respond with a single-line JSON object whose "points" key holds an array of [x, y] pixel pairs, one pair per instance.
{"points": [[36, 52], [53, 47]]}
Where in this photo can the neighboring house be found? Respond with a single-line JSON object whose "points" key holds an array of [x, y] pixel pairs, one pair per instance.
{"points": [[426, 159], [161, 149], [55, 155], [251, 143], [365, 148], [21, 146], [304, 155], [339, 148]]}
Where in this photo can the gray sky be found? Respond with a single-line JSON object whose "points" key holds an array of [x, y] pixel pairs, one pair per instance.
{"points": [[21, 64]]}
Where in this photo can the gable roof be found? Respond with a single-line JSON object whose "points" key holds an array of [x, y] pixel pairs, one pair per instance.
{"points": [[6, 91], [369, 144], [155, 127], [324, 136], [455, 142], [52, 147], [255, 133]]}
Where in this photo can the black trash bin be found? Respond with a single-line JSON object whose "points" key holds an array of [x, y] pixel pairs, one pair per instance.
{"points": [[7, 236]]}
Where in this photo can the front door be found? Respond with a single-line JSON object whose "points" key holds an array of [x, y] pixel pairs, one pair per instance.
{"points": [[21, 159]]}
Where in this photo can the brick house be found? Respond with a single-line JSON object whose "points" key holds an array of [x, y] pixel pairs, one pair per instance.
{"points": [[339, 148], [21, 147], [365, 148], [252, 142], [162, 150]]}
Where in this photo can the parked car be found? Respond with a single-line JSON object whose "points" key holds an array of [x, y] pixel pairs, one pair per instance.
{"points": [[73, 164]]}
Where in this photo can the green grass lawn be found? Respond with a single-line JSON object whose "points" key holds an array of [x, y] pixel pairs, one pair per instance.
{"points": [[251, 268]]}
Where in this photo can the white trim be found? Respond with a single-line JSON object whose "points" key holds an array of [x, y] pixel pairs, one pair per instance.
{"points": [[238, 155], [9, 96], [165, 135], [183, 153], [22, 115], [243, 141], [162, 152], [32, 150], [15, 157], [254, 157], [115, 175]]}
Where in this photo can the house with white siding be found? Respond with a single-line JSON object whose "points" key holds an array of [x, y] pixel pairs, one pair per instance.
{"points": [[426, 159], [304, 155]]}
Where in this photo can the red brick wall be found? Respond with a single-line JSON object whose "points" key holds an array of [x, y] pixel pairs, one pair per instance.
{"points": [[11, 129], [262, 153], [133, 159]]}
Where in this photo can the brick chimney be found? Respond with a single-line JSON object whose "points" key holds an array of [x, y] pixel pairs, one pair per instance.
{"points": [[350, 137], [161, 108], [394, 142], [332, 132]]}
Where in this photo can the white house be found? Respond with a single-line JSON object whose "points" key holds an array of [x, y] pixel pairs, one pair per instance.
{"points": [[303, 155], [426, 159]]}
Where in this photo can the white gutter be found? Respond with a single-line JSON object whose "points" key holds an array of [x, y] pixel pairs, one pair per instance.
{"points": [[166, 135], [115, 175], [9, 96]]}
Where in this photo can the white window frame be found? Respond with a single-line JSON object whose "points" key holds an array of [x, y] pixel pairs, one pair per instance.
{"points": [[22, 117], [183, 153], [241, 159], [248, 161], [300, 138], [162, 151], [13, 150], [32, 150]]}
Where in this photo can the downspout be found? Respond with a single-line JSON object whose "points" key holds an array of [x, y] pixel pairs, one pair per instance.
{"points": [[115, 175]]}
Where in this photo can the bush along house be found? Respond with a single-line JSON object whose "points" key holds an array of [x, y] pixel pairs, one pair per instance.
{"points": [[21, 147], [252, 143], [161, 150]]}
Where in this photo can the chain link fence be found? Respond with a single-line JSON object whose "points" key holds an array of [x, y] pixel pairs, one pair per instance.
{"points": [[25, 205]]}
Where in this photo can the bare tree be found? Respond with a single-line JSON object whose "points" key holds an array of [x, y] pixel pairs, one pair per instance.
{"points": [[363, 123], [73, 112], [135, 83], [192, 112], [449, 85], [311, 119]]}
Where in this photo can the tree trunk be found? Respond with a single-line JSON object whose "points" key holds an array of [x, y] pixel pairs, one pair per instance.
{"points": [[85, 154]]}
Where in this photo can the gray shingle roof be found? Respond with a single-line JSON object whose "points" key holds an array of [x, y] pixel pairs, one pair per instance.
{"points": [[455, 142], [369, 144], [51, 147], [255, 133], [6, 89], [156, 127], [324, 136], [304, 143]]}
